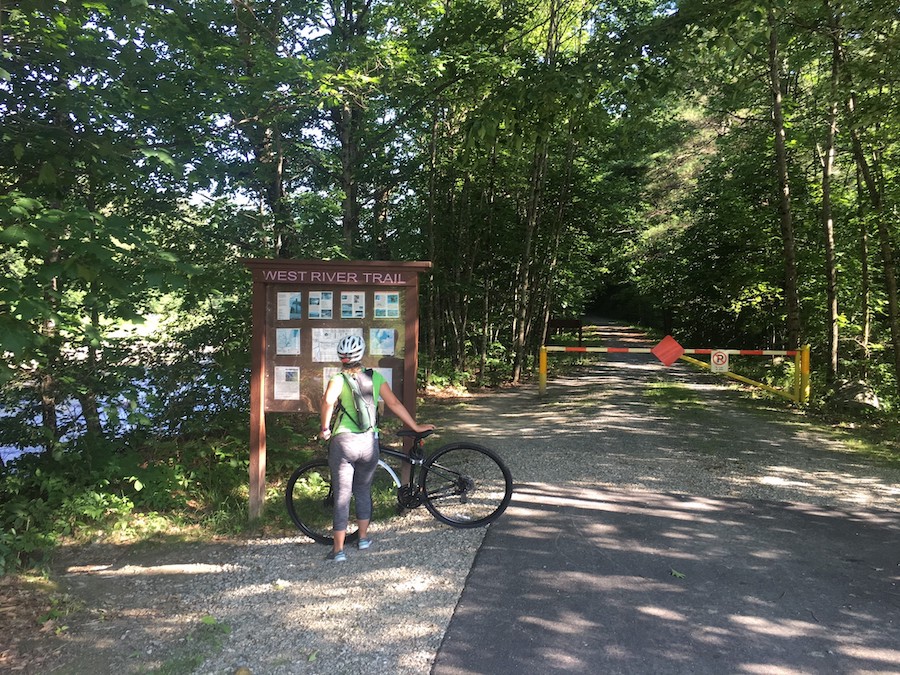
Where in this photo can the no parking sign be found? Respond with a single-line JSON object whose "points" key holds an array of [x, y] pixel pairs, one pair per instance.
{"points": [[718, 361]]}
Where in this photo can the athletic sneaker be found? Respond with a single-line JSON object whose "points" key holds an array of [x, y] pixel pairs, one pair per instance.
{"points": [[339, 556], [363, 544]]}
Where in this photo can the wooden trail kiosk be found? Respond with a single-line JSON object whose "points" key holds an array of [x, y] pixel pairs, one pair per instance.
{"points": [[301, 310]]}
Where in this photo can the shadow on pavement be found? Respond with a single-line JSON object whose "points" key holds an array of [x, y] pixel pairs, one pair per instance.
{"points": [[614, 581]]}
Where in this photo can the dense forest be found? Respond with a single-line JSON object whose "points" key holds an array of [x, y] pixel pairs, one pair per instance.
{"points": [[727, 171]]}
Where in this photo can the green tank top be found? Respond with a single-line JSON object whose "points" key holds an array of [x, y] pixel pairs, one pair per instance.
{"points": [[345, 423]]}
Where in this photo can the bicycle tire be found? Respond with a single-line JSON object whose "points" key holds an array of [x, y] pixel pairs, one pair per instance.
{"points": [[309, 498], [465, 485]]}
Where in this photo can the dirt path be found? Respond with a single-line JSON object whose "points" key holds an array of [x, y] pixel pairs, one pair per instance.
{"points": [[625, 422]]}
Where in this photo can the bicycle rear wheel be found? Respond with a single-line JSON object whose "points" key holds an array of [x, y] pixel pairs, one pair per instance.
{"points": [[465, 485], [310, 502]]}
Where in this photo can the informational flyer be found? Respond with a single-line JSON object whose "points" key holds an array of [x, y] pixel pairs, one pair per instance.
{"points": [[290, 306], [287, 383], [325, 342], [287, 340], [387, 305], [321, 304], [381, 341], [353, 305]]}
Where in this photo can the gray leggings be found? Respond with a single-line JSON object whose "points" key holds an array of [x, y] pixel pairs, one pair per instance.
{"points": [[353, 459]]}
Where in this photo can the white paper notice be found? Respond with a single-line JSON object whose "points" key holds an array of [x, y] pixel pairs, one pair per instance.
{"points": [[287, 340], [321, 304], [387, 305], [290, 306], [353, 305], [381, 341], [287, 383]]}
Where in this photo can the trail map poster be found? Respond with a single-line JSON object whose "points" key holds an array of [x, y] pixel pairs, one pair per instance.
{"points": [[381, 341], [325, 342], [287, 340]]}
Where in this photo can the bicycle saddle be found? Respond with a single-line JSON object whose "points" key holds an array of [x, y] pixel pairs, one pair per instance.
{"points": [[415, 434]]}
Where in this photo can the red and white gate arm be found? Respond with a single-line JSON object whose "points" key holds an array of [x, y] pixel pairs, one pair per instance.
{"points": [[648, 350], [668, 351]]}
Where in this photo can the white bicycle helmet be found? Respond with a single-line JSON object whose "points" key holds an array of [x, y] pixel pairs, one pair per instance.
{"points": [[351, 349]]}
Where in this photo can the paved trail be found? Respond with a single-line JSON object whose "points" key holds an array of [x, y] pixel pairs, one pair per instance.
{"points": [[664, 525]]}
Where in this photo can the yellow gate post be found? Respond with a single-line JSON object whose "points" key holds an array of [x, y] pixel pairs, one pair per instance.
{"points": [[804, 374], [542, 371]]}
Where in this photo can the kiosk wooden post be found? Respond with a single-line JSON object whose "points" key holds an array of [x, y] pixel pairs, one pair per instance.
{"points": [[301, 308]]}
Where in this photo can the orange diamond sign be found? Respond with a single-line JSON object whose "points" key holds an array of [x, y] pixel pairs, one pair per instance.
{"points": [[668, 350]]}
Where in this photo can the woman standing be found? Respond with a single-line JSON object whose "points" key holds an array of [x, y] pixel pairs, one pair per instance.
{"points": [[353, 450]]}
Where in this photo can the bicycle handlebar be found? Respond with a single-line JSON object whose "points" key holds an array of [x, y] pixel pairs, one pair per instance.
{"points": [[418, 435]]}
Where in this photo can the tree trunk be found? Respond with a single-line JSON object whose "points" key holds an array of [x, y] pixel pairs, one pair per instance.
{"points": [[523, 284], [791, 295], [88, 399], [265, 136], [345, 119], [380, 207], [485, 326], [272, 156], [350, 30], [827, 214], [487, 295], [558, 228], [870, 176], [46, 378], [865, 283], [431, 306], [533, 207]]}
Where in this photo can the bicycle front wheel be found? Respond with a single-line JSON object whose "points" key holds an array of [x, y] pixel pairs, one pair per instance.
{"points": [[465, 485], [310, 502]]}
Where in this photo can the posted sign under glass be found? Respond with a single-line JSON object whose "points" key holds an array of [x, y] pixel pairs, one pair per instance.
{"points": [[301, 310]]}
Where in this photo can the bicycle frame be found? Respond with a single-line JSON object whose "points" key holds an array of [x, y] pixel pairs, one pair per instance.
{"points": [[405, 458]]}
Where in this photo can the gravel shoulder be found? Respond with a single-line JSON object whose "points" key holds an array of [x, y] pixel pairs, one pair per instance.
{"points": [[274, 606]]}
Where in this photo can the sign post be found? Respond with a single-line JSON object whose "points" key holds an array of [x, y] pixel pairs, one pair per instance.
{"points": [[718, 361], [301, 310]]}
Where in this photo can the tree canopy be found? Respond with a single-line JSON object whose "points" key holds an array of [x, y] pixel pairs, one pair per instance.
{"points": [[727, 171]]}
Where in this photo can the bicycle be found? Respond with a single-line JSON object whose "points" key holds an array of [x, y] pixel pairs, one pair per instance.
{"points": [[461, 484]]}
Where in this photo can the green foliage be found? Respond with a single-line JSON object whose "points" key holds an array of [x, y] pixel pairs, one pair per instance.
{"points": [[442, 374], [111, 490], [45, 498]]}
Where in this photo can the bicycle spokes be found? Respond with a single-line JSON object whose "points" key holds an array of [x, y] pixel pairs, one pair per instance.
{"points": [[466, 485]]}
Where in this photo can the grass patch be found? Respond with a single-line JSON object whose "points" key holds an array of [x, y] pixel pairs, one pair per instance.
{"points": [[876, 439], [204, 641], [672, 395]]}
